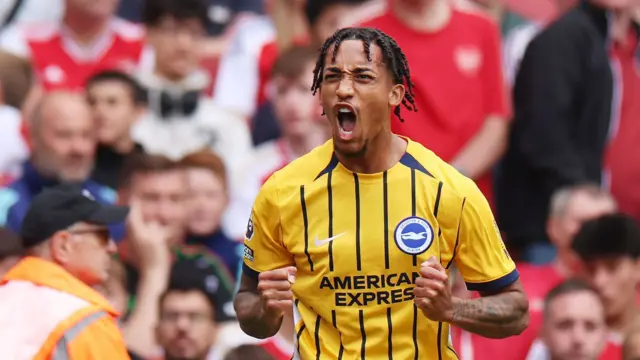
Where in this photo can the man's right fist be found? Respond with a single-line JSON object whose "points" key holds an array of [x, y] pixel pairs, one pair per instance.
{"points": [[274, 287]]}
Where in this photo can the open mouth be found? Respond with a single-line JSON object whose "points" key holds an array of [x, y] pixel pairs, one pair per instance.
{"points": [[346, 115]]}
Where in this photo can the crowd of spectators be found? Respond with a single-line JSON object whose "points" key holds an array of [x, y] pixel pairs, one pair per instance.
{"points": [[184, 108]]}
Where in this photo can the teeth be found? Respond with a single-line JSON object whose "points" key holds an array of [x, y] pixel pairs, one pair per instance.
{"points": [[344, 111]]}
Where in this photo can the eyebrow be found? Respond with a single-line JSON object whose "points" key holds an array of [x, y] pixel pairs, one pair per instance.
{"points": [[357, 70]]}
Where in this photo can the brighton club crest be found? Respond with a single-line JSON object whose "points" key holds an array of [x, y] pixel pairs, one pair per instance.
{"points": [[414, 235]]}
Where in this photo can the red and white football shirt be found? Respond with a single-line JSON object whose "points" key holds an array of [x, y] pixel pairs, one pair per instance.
{"points": [[62, 63], [241, 73], [457, 74], [247, 181]]}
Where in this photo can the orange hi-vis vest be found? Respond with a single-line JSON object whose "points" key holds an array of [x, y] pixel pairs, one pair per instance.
{"points": [[48, 314]]}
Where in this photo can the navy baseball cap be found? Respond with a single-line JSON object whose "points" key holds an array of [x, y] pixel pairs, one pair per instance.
{"points": [[61, 206]]}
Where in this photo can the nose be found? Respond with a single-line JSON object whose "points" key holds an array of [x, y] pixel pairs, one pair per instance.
{"points": [[112, 248], [345, 88], [184, 39], [82, 145], [578, 335], [600, 279]]}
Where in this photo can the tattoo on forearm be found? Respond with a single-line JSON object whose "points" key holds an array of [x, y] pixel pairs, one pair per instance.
{"points": [[493, 316]]}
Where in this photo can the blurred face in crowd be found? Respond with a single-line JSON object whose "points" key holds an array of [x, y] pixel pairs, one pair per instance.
{"points": [[187, 328], [574, 328], [162, 197], [357, 96], [616, 279], [207, 201], [85, 250], [93, 8], [64, 138], [581, 207], [176, 44], [331, 19], [294, 105], [114, 110]]}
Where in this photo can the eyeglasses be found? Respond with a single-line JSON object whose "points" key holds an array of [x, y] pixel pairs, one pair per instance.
{"points": [[102, 233], [172, 317]]}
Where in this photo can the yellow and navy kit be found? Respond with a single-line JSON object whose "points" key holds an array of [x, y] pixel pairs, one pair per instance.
{"points": [[358, 240]]}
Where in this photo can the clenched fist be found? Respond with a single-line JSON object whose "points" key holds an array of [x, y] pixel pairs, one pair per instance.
{"points": [[432, 291], [275, 289]]}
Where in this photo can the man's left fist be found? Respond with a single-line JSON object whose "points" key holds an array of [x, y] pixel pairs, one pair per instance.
{"points": [[432, 291]]}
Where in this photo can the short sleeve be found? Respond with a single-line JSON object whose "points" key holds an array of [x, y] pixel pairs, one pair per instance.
{"points": [[264, 248], [480, 254]]}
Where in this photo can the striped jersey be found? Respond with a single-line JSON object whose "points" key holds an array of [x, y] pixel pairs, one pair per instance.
{"points": [[358, 240]]}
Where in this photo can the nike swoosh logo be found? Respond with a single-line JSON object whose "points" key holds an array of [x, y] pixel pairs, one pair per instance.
{"points": [[326, 241]]}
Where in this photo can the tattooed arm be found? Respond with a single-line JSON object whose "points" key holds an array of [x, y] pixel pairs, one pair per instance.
{"points": [[494, 315]]}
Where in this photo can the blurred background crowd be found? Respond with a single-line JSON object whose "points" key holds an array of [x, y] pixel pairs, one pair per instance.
{"points": [[185, 107]]}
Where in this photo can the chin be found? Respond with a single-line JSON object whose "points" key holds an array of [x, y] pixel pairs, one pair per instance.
{"points": [[73, 176]]}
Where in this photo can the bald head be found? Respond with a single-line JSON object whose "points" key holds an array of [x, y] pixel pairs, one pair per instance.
{"points": [[571, 207], [56, 105], [63, 136]]}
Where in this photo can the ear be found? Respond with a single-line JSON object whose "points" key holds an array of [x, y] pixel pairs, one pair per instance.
{"points": [[140, 110], [552, 229], [60, 247], [396, 95]]}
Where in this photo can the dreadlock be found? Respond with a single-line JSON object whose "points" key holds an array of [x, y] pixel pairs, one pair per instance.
{"points": [[392, 55]]}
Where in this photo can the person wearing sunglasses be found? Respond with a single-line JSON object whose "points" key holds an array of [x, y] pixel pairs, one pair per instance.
{"points": [[47, 301]]}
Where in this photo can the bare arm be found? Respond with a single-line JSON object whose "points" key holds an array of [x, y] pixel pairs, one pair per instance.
{"points": [[484, 149], [255, 320], [138, 331], [498, 315]]}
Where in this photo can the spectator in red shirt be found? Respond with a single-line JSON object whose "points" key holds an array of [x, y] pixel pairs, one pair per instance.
{"points": [[245, 69], [574, 325], [624, 175], [609, 250], [570, 208], [298, 114], [460, 95], [88, 39], [609, 247]]}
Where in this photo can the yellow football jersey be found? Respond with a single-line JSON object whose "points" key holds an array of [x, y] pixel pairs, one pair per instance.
{"points": [[358, 240]]}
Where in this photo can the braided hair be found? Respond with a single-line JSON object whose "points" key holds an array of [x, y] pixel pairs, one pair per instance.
{"points": [[393, 57]]}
